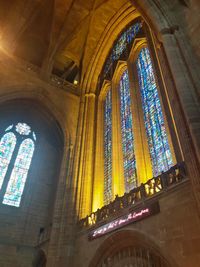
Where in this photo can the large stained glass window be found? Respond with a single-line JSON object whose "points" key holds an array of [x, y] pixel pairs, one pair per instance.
{"points": [[19, 173], [127, 133], [161, 157], [108, 148], [7, 145], [15, 159]]}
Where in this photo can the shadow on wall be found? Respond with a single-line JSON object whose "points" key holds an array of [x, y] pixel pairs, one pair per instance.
{"points": [[39, 259]]}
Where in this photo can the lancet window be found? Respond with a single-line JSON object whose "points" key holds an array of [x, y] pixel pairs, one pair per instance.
{"points": [[148, 115], [129, 162], [108, 148]]}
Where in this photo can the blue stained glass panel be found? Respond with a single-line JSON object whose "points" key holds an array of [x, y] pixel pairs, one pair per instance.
{"points": [[160, 153], [129, 161], [108, 148], [121, 44], [7, 145], [19, 173]]}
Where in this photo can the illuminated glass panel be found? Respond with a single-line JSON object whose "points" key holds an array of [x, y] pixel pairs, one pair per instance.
{"points": [[9, 128], [160, 153], [23, 128], [19, 173], [108, 148], [127, 133], [7, 145], [125, 38]]}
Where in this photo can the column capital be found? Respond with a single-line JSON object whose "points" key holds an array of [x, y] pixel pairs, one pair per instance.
{"points": [[90, 95]]}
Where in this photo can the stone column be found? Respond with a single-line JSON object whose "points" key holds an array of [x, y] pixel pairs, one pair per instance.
{"points": [[87, 162], [61, 245], [98, 188], [185, 106]]}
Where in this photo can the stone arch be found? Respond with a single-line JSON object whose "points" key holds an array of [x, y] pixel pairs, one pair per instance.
{"points": [[122, 244], [39, 96], [156, 18]]}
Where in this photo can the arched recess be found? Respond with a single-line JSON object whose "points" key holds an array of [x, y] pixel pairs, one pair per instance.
{"points": [[126, 248], [154, 17], [39, 193], [40, 96]]}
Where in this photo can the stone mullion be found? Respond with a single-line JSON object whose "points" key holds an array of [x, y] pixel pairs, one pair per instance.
{"points": [[88, 157], [185, 109], [98, 187], [117, 153], [143, 161], [164, 100]]}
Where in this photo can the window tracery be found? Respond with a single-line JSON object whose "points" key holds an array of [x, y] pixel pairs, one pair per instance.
{"points": [[16, 152], [155, 150]]}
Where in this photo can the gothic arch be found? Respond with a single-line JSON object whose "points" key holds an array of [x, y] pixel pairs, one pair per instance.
{"points": [[120, 244], [27, 93], [154, 16]]}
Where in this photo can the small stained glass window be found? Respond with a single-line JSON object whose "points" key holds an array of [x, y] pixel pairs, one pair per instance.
{"points": [[15, 159], [130, 175], [23, 128], [108, 148], [159, 149], [19, 174], [7, 146]]}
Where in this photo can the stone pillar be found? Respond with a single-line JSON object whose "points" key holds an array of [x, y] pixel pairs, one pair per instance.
{"points": [[185, 107], [61, 245], [87, 160]]}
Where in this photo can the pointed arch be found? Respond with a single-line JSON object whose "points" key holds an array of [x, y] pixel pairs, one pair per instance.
{"points": [[7, 146], [19, 173]]}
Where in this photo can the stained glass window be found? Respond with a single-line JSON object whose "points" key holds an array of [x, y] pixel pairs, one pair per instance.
{"points": [[108, 148], [19, 174], [121, 44], [127, 133], [15, 159], [23, 128], [160, 153], [7, 145]]}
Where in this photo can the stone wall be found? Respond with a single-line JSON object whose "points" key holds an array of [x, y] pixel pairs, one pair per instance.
{"points": [[52, 113], [175, 231]]}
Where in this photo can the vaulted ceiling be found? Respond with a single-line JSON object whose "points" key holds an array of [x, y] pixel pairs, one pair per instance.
{"points": [[64, 33]]}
